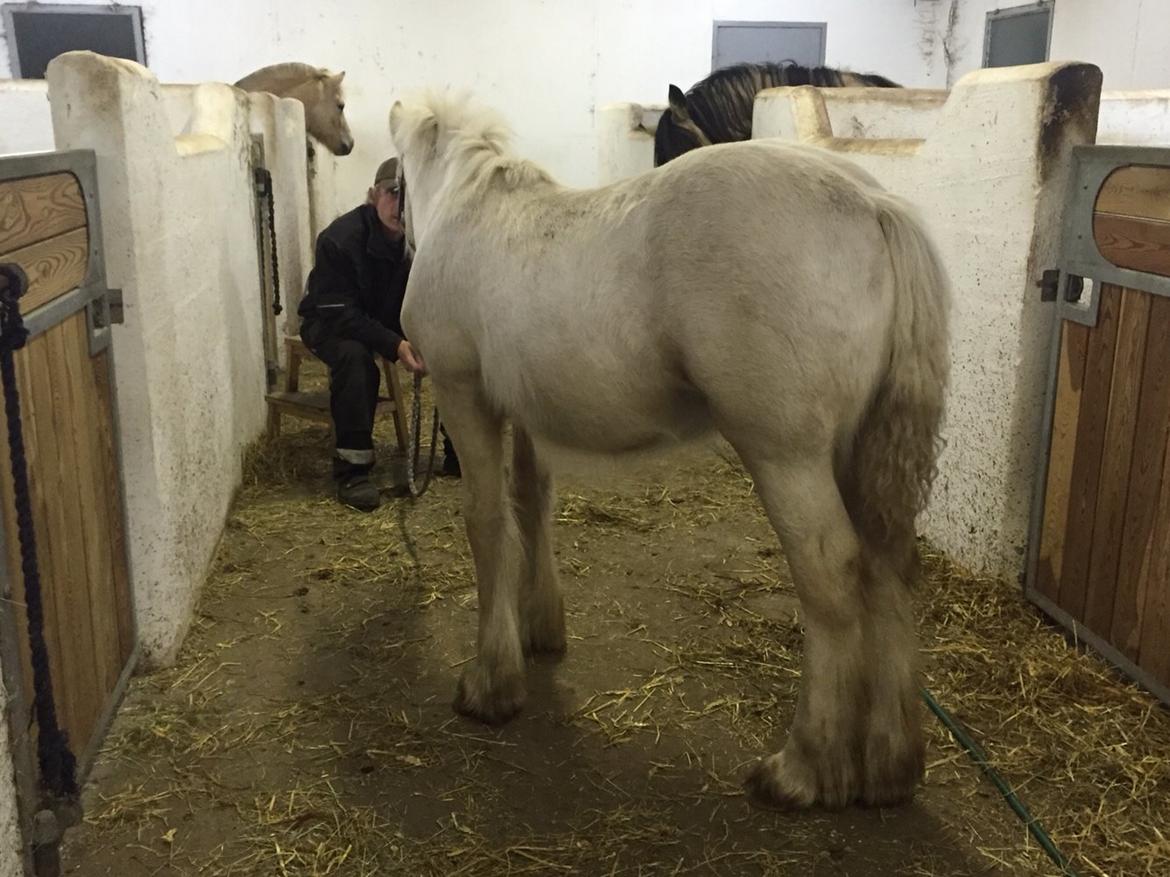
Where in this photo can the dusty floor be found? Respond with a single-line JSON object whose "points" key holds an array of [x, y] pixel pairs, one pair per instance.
{"points": [[307, 727]]}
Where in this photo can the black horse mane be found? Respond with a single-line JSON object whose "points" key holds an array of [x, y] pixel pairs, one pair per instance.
{"points": [[721, 104]]}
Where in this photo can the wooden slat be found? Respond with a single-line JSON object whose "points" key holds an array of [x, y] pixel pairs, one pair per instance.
{"points": [[54, 266], [1113, 489], [1138, 190], [1154, 648], [40, 443], [1087, 456], [37, 208], [1074, 348], [57, 481], [1138, 244], [94, 590], [102, 424], [36, 407], [1145, 483]]}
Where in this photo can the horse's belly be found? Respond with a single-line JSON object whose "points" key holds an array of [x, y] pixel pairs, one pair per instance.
{"points": [[613, 419]]}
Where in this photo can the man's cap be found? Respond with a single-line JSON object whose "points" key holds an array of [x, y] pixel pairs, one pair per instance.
{"points": [[387, 172]]}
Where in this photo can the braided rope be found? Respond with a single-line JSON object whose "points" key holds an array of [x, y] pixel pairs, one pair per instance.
{"points": [[414, 443], [58, 765]]}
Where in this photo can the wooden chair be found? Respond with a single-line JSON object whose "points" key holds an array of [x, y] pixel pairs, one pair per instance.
{"points": [[315, 406]]}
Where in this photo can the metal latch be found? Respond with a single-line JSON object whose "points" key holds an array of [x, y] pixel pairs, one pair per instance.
{"points": [[114, 304], [106, 309], [1049, 284]]}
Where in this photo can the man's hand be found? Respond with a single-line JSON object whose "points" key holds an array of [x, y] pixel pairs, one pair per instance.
{"points": [[411, 358]]}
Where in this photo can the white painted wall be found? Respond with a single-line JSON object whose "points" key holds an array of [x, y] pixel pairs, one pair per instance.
{"points": [[179, 241], [28, 125], [1127, 39], [1135, 118], [546, 64]]}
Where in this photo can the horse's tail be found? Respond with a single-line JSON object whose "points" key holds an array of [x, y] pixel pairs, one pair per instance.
{"points": [[896, 446]]}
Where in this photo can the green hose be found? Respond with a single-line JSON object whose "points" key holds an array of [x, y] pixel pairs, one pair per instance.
{"points": [[980, 758]]}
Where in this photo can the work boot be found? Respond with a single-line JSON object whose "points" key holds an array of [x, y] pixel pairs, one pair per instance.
{"points": [[357, 491], [354, 487]]}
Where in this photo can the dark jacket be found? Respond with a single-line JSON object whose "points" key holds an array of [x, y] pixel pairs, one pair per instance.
{"points": [[357, 285]]}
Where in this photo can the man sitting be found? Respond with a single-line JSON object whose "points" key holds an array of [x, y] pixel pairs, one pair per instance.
{"points": [[351, 313]]}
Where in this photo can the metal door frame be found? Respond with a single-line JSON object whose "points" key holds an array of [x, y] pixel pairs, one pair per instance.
{"points": [[102, 307], [1083, 269]]}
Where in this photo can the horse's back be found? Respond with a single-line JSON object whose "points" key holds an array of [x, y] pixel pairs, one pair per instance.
{"points": [[655, 295]]}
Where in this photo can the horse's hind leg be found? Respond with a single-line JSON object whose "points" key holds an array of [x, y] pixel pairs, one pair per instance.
{"points": [[542, 613], [492, 686], [893, 747], [820, 762]]}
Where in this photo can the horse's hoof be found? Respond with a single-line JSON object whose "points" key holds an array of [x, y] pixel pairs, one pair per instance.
{"points": [[477, 699], [893, 769], [785, 782], [546, 631], [549, 644]]}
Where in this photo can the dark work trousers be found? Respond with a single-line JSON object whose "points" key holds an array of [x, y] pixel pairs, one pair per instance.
{"points": [[353, 398], [354, 378]]}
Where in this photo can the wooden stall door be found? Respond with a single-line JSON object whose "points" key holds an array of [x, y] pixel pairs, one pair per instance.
{"points": [[67, 417], [1104, 545]]}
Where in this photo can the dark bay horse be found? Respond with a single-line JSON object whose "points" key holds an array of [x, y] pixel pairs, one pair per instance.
{"points": [[718, 109]]}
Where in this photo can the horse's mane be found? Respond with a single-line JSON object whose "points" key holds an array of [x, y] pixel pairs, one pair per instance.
{"points": [[476, 142], [721, 104], [279, 79]]}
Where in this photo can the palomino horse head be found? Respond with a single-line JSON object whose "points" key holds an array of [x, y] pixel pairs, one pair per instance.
{"points": [[318, 90], [325, 115]]}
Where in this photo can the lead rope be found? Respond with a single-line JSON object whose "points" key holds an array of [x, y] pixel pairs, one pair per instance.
{"points": [[414, 440], [414, 443]]}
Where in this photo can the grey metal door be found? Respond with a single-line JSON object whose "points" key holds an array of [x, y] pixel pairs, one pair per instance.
{"points": [[737, 42], [1017, 36]]}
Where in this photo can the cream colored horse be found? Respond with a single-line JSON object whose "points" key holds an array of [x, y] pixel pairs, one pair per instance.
{"points": [[771, 292], [319, 91]]}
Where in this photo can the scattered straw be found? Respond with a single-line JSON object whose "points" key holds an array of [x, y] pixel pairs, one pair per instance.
{"points": [[306, 727]]}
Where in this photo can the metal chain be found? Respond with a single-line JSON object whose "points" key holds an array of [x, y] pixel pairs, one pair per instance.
{"points": [[264, 183]]}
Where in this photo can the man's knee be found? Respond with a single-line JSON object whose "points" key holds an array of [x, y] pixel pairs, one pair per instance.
{"points": [[350, 352], [352, 358]]}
